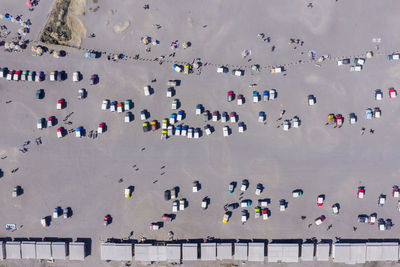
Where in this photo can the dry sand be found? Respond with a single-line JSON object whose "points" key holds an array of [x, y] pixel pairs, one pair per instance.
{"points": [[84, 173]]}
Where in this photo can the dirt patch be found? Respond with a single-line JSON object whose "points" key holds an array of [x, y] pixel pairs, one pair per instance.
{"points": [[121, 26], [63, 27]]}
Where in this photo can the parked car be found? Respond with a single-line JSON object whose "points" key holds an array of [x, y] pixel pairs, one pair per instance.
{"points": [[233, 117], [265, 96], [359, 61], [225, 219], [178, 130], [255, 97], [113, 106], [320, 220], [360, 192], [146, 126], [167, 195], [392, 93], [170, 131], [207, 129], [259, 189], [343, 61], [230, 96], [241, 127], [245, 185], [239, 100], [320, 200], [238, 72], [60, 104], [51, 121], [335, 209], [352, 118], [16, 191], [153, 125], [81, 93], [78, 132], [231, 187], [190, 133], [265, 213], [272, 94], [76, 76], [224, 117], [184, 130], [286, 125], [244, 216], [17, 75], [120, 107], [368, 114], [282, 205], [39, 93], [93, 79], [204, 203], [379, 94], [377, 112], [180, 116], [381, 225], [339, 120], [143, 115], [199, 109], [215, 116], [55, 213], [128, 116], [53, 76], [40, 124], [225, 131], [297, 193], [381, 200], [257, 212], [175, 206], [60, 132], [296, 122], [261, 116], [395, 191], [372, 218]]}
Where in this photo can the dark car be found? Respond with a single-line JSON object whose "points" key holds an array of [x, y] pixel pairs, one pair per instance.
{"points": [[93, 79], [39, 93], [60, 76], [167, 195], [363, 218]]}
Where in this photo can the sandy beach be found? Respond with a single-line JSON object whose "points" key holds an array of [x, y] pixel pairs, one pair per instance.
{"points": [[85, 173]]}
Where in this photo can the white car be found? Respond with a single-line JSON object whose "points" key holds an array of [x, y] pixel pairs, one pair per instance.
{"points": [[272, 94], [184, 130], [286, 125], [128, 116], [359, 61], [343, 62], [170, 130], [320, 220], [225, 131], [10, 76], [356, 68], [282, 205], [296, 122], [238, 73], [53, 76], [207, 129], [146, 90], [244, 216], [311, 100], [335, 209], [182, 204], [277, 70], [120, 107], [75, 76], [381, 225], [221, 70], [204, 203], [60, 132], [190, 133], [175, 206]]}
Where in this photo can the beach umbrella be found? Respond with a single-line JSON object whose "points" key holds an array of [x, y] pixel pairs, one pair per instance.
{"points": [[246, 53], [39, 51], [146, 40], [174, 45], [28, 3], [6, 45], [7, 16], [34, 48], [1, 16]]}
